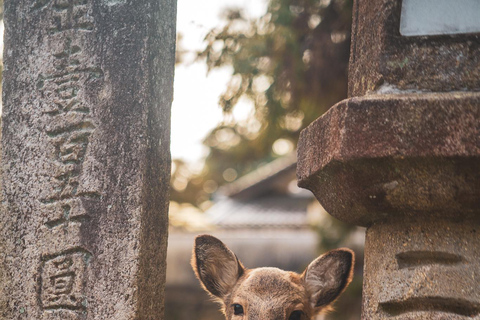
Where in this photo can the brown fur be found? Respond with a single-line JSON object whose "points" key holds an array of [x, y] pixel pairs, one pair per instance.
{"points": [[270, 293]]}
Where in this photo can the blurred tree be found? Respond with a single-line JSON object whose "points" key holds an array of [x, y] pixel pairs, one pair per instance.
{"points": [[291, 64]]}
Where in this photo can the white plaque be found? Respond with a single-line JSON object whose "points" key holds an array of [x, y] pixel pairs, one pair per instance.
{"points": [[437, 17]]}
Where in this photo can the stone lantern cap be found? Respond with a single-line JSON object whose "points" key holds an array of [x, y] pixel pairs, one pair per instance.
{"points": [[392, 156]]}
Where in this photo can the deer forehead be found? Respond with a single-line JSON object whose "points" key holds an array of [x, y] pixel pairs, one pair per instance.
{"points": [[267, 284]]}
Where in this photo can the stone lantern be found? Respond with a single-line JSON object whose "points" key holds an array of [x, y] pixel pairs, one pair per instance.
{"points": [[401, 156]]}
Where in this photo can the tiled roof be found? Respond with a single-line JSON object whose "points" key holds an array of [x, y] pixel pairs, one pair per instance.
{"points": [[275, 211], [263, 179], [262, 199]]}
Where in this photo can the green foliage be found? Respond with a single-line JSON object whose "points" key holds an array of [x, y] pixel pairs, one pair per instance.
{"points": [[291, 64]]}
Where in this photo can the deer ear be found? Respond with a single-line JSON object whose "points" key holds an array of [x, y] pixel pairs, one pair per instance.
{"points": [[328, 275], [216, 266]]}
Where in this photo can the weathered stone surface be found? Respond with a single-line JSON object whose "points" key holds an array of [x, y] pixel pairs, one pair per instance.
{"points": [[422, 270], [395, 155], [381, 58], [402, 157], [85, 158]]}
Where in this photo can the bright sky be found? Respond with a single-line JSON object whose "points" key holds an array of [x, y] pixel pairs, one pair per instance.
{"points": [[195, 109]]}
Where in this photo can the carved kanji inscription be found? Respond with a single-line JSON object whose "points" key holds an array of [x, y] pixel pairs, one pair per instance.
{"points": [[63, 281]]}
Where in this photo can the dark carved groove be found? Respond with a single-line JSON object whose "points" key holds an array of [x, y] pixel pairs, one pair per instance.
{"points": [[420, 258], [84, 126], [431, 304], [77, 249], [68, 307], [63, 221]]}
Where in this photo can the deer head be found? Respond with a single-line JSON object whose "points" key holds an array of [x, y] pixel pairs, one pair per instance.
{"points": [[270, 293]]}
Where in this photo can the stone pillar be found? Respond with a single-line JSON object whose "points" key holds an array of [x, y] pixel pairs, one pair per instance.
{"points": [[401, 157], [85, 158]]}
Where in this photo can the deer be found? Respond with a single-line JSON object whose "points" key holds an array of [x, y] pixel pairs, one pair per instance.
{"points": [[269, 293]]}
